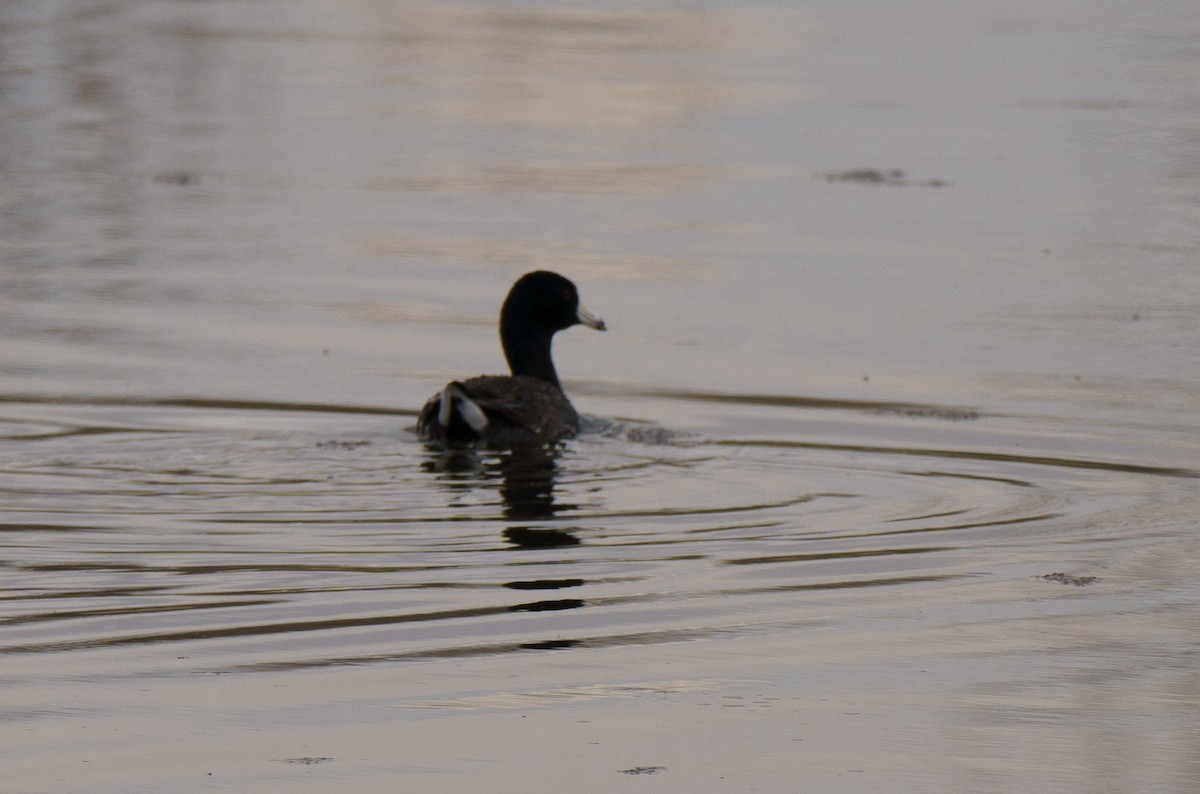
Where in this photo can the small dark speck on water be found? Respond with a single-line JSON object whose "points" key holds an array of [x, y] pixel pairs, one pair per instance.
{"points": [[1066, 578], [644, 770], [341, 444], [178, 178], [307, 760], [933, 412], [892, 177]]}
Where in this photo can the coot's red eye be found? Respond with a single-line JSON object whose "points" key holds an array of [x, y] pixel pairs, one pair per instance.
{"points": [[566, 296]]}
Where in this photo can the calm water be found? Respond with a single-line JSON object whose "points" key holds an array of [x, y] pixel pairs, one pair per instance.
{"points": [[890, 481]]}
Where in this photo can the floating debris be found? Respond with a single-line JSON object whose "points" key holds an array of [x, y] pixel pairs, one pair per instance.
{"points": [[644, 770], [893, 177], [932, 412], [178, 178], [1066, 578], [307, 760], [342, 444]]}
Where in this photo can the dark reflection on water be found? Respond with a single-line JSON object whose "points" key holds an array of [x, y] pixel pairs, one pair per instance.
{"points": [[527, 487], [545, 584], [535, 538], [529, 494]]}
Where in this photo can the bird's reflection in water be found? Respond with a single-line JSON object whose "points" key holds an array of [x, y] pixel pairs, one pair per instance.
{"points": [[526, 478], [550, 645], [527, 487]]}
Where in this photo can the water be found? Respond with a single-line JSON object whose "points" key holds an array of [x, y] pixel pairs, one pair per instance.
{"points": [[889, 481]]}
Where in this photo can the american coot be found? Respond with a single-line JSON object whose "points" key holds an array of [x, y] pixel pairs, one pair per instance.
{"points": [[527, 407]]}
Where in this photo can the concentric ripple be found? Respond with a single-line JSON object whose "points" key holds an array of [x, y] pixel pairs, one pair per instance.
{"points": [[170, 537]]}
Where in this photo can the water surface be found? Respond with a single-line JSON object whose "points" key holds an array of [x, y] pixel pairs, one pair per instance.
{"points": [[890, 473]]}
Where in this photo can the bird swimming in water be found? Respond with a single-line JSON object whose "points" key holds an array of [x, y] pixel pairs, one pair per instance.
{"points": [[528, 406]]}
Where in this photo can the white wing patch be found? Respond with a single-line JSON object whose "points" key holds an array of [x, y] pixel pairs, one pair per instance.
{"points": [[454, 397]]}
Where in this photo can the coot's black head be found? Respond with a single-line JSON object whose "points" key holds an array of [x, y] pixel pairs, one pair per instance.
{"points": [[539, 305], [546, 301]]}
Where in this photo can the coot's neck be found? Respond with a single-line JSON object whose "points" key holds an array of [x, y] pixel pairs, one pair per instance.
{"points": [[528, 351]]}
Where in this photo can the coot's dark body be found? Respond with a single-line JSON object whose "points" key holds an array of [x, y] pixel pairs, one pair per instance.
{"points": [[527, 407]]}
